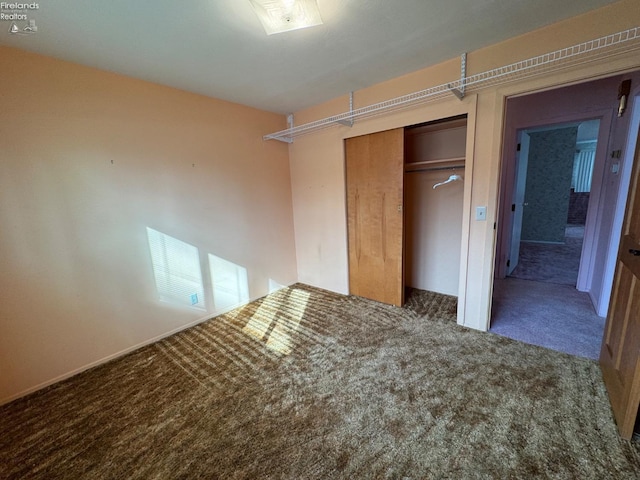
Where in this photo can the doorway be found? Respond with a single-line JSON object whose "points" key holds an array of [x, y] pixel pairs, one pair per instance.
{"points": [[551, 284], [550, 210]]}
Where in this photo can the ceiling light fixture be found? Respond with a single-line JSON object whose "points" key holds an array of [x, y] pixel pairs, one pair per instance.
{"points": [[279, 16]]}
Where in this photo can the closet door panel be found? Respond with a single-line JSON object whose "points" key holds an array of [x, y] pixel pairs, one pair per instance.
{"points": [[374, 173]]}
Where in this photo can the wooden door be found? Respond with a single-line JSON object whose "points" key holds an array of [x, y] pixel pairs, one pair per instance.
{"points": [[620, 353], [375, 172]]}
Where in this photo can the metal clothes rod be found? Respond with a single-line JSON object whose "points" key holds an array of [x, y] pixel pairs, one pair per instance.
{"points": [[452, 178], [429, 169], [603, 47]]}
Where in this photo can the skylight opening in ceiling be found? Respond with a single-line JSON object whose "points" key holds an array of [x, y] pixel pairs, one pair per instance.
{"points": [[278, 16]]}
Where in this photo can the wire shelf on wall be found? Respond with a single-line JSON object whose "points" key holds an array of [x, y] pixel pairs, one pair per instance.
{"points": [[603, 47]]}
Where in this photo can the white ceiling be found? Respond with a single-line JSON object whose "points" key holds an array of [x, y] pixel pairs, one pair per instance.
{"points": [[218, 47]]}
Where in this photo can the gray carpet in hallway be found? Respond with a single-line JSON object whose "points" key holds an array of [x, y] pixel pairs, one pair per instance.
{"points": [[552, 263], [307, 384], [558, 317]]}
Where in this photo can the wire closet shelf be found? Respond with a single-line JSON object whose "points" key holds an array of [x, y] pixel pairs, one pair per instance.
{"points": [[592, 50]]}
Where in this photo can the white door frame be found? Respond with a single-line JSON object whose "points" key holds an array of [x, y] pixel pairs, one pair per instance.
{"points": [[626, 163]]}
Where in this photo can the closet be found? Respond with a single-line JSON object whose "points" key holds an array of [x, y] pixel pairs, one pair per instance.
{"points": [[434, 154], [403, 232]]}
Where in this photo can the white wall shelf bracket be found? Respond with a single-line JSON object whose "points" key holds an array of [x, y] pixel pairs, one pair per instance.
{"points": [[459, 92], [282, 135], [348, 122], [593, 50], [290, 127]]}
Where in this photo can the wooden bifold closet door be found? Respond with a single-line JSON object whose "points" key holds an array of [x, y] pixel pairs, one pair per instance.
{"points": [[620, 353], [374, 177]]}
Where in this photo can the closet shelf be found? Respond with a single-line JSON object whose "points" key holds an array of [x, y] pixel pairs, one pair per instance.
{"points": [[439, 163], [623, 42]]}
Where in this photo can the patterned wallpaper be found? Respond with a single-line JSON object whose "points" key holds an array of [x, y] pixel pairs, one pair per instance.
{"points": [[548, 184]]}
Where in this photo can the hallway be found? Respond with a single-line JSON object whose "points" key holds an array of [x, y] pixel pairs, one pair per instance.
{"points": [[553, 316], [539, 304], [553, 263]]}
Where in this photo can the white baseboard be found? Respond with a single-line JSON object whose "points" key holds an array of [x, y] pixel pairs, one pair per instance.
{"points": [[596, 305], [126, 351]]}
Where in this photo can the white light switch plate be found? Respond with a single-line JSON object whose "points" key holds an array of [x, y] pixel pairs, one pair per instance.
{"points": [[481, 213]]}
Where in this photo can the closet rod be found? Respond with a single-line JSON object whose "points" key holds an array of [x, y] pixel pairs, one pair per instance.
{"points": [[592, 50], [429, 169], [440, 161]]}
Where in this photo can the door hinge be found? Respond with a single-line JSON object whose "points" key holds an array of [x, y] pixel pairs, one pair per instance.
{"points": [[508, 263], [518, 147], [513, 207]]}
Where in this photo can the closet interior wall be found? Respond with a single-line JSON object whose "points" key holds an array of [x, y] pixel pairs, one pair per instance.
{"points": [[433, 217]]}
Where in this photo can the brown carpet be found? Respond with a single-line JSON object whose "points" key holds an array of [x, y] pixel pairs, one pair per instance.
{"points": [[306, 384]]}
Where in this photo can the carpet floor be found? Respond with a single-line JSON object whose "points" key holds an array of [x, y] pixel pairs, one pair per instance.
{"points": [[552, 263], [307, 384], [553, 316]]}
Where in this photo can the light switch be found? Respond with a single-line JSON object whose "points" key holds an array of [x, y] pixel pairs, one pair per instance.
{"points": [[481, 213], [615, 168]]}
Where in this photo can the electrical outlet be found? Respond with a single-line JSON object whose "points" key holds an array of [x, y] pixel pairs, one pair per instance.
{"points": [[481, 213]]}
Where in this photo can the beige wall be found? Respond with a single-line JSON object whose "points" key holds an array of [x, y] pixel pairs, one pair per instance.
{"points": [[433, 230], [317, 159], [90, 159]]}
